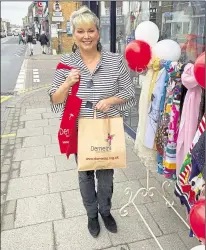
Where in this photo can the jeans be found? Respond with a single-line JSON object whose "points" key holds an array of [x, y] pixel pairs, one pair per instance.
{"points": [[100, 199]]}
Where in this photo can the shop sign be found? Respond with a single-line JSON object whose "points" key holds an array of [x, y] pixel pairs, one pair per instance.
{"points": [[54, 30], [58, 19], [57, 6], [57, 13]]}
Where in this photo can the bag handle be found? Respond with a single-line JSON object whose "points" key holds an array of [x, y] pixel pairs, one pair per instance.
{"points": [[75, 87], [107, 117]]}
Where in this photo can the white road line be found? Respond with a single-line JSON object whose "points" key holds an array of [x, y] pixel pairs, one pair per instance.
{"points": [[20, 83], [36, 80], [35, 76], [35, 70]]}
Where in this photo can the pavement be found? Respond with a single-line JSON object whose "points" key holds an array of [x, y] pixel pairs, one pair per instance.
{"points": [[41, 206]]}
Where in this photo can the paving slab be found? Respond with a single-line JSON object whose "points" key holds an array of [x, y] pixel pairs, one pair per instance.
{"points": [[37, 167], [29, 132], [27, 186], [30, 117], [37, 237], [52, 150], [72, 234], [34, 210], [166, 218], [62, 163], [63, 181], [36, 123], [168, 242], [34, 141], [36, 111], [51, 130], [72, 202], [29, 153], [131, 228]]}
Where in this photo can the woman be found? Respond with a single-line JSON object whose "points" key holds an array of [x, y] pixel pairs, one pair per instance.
{"points": [[105, 84], [30, 41]]}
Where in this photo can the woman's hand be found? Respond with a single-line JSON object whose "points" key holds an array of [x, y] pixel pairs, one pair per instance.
{"points": [[103, 105], [73, 77]]}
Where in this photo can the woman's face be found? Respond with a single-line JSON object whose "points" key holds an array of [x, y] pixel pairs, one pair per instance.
{"points": [[86, 37]]}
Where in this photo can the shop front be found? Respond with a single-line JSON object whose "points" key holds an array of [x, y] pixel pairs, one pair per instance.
{"points": [[181, 21]]}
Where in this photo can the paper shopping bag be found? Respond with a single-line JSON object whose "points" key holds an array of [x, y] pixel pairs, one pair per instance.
{"points": [[67, 134], [101, 144]]}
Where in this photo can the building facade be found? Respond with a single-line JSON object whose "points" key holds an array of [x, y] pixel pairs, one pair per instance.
{"points": [[59, 16], [182, 21]]}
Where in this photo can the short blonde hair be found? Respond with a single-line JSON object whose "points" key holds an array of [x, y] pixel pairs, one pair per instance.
{"points": [[83, 15]]}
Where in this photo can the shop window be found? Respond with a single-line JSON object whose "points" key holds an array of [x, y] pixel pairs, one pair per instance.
{"points": [[105, 24], [107, 11], [182, 21]]}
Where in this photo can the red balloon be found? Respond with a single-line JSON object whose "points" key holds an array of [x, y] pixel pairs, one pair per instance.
{"points": [[138, 54], [197, 219], [199, 70]]}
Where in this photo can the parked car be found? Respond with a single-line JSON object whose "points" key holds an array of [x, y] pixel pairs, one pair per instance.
{"points": [[9, 33], [15, 33]]}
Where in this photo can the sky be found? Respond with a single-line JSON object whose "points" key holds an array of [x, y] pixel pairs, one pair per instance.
{"points": [[14, 11]]}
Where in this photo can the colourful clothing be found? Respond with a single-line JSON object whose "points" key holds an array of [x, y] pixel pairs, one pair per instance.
{"points": [[146, 155], [190, 112], [169, 161], [153, 111]]}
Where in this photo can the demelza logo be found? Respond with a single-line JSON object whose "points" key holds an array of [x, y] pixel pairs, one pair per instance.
{"points": [[104, 148]]}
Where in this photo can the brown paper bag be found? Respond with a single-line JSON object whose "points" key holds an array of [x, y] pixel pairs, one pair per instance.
{"points": [[101, 143]]}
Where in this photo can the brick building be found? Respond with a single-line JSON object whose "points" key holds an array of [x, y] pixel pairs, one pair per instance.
{"points": [[61, 39]]}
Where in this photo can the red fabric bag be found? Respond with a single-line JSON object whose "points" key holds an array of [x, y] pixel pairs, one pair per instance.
{"points": [[67, 134]]}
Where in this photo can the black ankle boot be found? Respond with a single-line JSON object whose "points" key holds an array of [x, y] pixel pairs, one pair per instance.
{"points": [[110, 223], [93, 226]]}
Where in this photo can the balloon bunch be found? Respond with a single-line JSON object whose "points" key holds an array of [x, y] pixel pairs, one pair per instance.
{"points": [[199, 70], [139, 52], [197, 219]]}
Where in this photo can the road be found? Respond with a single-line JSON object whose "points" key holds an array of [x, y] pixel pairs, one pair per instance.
{"points": [[12, 57]]}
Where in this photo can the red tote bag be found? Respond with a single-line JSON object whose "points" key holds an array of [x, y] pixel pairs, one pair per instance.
{"points": [[67, 135]]}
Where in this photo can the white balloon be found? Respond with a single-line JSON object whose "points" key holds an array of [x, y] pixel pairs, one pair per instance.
{"points": [[167, 49], [200, 247], [148, 32]]}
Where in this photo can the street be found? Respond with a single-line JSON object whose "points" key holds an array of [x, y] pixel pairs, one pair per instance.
{"points": [[12, 56]]}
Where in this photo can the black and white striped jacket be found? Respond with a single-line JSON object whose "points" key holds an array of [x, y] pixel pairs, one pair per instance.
{"points": [[111, 78]]}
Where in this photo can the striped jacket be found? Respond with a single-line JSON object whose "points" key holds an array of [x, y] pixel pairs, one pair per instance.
{"points": [[110, 78]]}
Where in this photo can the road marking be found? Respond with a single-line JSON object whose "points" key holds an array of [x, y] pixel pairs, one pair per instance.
{"points": [[8, 135], [20, 83], [5, 98], [36, 76], [36, 80]]}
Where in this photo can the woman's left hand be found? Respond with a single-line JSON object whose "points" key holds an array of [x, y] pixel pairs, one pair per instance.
{"points": [[103, 105]]}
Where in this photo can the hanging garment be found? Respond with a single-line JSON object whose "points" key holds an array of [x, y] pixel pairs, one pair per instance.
{"points": [[166, 65], [154, 109], [202, 106], [147, 156], [198, 155], [189, 117], [188, 170]]}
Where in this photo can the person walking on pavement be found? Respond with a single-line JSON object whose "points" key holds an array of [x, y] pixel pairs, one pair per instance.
{"points": [[107, 73], [21, 38], [43, 41], [30, 41]]}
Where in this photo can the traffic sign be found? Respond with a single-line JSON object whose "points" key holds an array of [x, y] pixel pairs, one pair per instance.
{"points": [[40, 4]]}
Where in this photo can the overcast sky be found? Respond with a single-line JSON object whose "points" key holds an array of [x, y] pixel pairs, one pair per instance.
{"points": [[14, 11]]}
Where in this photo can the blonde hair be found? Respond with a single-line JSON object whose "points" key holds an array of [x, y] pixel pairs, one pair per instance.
{"points": [[83, 15]]}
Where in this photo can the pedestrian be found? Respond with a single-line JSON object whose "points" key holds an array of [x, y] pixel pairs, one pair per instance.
{"points": [[30, 41], [21, 39], [105, 85], [43, 41]]}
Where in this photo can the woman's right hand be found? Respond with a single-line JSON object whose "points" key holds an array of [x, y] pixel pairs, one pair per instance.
{"points": [[73, 77]]}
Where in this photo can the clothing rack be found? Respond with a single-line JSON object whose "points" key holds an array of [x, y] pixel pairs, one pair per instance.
{"points": [[148, 191]]}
